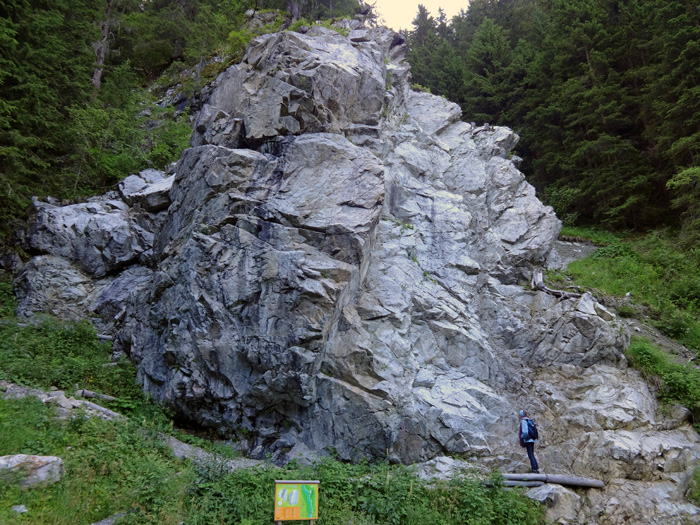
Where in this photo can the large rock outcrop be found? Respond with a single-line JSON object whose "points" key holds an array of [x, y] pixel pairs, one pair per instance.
{"points": [[340, 262]]}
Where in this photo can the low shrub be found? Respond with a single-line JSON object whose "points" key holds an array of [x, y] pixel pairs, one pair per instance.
{"points": [[8, 303], [363, 493]]}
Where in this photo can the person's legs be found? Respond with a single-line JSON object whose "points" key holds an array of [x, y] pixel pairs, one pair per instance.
{"points": [[531, 454]]}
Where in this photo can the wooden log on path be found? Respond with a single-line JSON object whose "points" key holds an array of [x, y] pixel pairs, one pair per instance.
{"points": [[558, 479], [523, 483], [81, 392], [525, 477]]}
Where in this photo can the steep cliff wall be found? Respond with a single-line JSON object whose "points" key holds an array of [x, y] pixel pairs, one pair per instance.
{"points": [[339, 262]]}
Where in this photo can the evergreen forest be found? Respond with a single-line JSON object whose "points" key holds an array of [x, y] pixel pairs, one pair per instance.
{"points": [[605, 95]]}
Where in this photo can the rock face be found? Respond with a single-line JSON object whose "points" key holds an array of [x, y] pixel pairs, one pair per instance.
{"points": [[340, 262]]}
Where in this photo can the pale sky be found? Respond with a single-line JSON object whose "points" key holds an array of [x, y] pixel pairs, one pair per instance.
{"points": [[398, 14]]}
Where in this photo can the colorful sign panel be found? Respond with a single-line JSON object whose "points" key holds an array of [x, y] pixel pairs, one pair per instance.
{"points": [[296, 500]]}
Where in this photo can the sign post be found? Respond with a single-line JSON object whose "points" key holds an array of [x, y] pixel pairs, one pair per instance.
{"points": [[296, 500]]}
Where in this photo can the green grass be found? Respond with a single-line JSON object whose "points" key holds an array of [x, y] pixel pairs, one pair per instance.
{"points": [[61, 355], [363, 493], [597, 237], [115, 467], [663, 280], [694, 493], [110, 467], [678, 383]]}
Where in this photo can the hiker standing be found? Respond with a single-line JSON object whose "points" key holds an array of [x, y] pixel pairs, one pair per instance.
{"points": [[528, 436]]}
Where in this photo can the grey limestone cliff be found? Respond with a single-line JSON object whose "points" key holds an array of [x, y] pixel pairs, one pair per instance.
{"points": [[339, 262]]}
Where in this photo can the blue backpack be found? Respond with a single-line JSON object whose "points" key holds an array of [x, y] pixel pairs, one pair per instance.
{"points": [[531, 429]]}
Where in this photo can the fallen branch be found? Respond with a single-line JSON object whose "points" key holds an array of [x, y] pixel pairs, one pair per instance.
{"points": [[111, 414], [89, 393], [537, 283], [558, 479]]}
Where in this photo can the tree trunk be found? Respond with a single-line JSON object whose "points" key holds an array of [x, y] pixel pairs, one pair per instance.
{"points": [[537, 283], [101, 47], [556, 478], [294, 9]]}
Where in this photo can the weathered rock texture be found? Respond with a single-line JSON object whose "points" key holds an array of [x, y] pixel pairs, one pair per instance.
{"points": [[343, 264]]}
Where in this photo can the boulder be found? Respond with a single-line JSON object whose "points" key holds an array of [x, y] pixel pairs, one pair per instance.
{"points": [[150, 189], [31, 471], [98, 235], [291, 83], [563, 505]]}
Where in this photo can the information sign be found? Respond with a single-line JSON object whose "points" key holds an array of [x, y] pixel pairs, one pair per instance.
{"points": [[296, 500]]}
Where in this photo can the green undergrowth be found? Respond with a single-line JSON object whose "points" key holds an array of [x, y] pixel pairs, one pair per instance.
{"points": [[597, 237], [361, 494], [677, 383], [114, 467], [8, 302], [63, 355], [110, 466], [661, 277]]}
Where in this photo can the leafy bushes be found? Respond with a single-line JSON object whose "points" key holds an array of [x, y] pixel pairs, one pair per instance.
{"points": [[7, 298]]}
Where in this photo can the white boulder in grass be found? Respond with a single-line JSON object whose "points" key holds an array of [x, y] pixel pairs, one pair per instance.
{"points": [[30, 471]]}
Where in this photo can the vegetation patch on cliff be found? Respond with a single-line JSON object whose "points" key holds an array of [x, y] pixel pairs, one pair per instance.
{"points": [[677, 383], [653, 277]]}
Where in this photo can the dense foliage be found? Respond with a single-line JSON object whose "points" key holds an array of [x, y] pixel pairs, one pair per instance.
{"points": [[603, 92], [75, 112]]}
